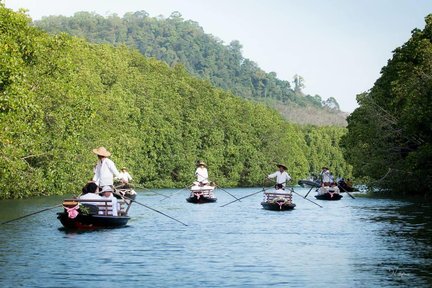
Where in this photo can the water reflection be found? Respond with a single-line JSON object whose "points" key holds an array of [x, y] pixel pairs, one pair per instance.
{"points": [[347, 243]]}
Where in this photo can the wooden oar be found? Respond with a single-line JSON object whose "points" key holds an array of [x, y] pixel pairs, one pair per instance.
{"points": [[347, 192], [220, 188], [292, 190], [46, 209], [154, 192], [148, 207], [169, 196], [308, 192], [228, 193], [238, 199], [157, 193]]}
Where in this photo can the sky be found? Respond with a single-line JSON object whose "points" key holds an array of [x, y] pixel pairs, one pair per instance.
{"points": [[337, 46]]}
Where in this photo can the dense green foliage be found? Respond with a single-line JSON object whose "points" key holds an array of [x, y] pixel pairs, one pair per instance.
{"points": [[174, 40], [61, 96], [389, 138]]}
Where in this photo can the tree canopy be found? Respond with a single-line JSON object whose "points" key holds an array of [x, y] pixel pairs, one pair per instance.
{"points": [[175, 40], [61, 96], [389, 135]]}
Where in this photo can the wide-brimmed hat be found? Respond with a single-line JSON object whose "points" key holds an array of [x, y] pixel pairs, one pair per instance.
{"points": [[282, 165], [201, 163], [123, 168], [107, 189], [102, 151]]}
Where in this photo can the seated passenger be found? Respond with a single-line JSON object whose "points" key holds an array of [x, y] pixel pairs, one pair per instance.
{"points": [[334, 188], [90, 193], [107, 193]]}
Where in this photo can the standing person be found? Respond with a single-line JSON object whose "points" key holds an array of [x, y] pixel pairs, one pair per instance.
{"points": [[202, 173], [325, 177], [105, 169], [281, 177]]}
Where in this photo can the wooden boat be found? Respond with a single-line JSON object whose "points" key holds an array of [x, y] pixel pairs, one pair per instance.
{"points": [[344, 187], [129, 192], [125, 189], [278, 201], [201, 194], [328, 193], [328, 196], [309, 183], [86, 214]]}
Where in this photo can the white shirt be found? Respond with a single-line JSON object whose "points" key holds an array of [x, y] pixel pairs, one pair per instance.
{"points": [[114, 203], [281, 177], [326, 176], [125, 176], [92, 196], [202, 174], [104, 172]]}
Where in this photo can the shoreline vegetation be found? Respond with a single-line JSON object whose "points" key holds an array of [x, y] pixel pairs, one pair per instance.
{"points": [[174, 41], [61, 96]]}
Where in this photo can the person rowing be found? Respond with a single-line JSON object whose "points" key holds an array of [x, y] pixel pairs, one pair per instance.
{"points": [[282, 177]]}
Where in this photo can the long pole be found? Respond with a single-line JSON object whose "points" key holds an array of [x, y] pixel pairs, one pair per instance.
{"points": [[228, 193], [220, 188], [292, 190], [308, 192], [169, 196], [142, 187], [347, 192], [148, 207], [238, 199], [46, 209]]}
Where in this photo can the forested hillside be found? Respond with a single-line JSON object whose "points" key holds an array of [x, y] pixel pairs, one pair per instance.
{"points": [[390, 134], [61, 96], [174, 41]]}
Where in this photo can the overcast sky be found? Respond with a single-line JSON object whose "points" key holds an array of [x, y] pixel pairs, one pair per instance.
{"points": [[337, 46]]}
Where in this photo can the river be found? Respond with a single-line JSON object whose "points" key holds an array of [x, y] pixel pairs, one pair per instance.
{"points": [[360, 242]]}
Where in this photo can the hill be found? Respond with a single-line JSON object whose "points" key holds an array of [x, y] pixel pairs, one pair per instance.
{"points": [[61, 96], [174, 41]]}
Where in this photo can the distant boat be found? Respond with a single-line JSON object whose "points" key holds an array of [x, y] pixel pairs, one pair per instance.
{"points": [[344, 187], [309, 183], [129, 192], [277, 200], [86, 214], [124, 189], [328, 193], [201, 194]]}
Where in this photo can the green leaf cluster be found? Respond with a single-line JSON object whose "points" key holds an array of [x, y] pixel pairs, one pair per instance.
{"points": [[389, 138], [61, 96]]}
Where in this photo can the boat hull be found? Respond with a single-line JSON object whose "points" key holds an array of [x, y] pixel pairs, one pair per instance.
{"points": [[345, 188], [277, 207], [92, 222], [329, 197], [201, 194], [200, 200], [277, 200]]}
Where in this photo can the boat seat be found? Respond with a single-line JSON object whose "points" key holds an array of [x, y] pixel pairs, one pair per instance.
{"points": [[92, 209], [104, 205], [271, 196]]}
